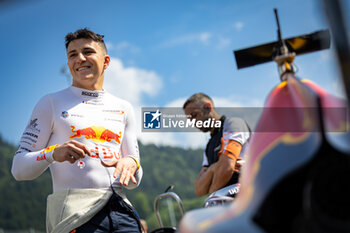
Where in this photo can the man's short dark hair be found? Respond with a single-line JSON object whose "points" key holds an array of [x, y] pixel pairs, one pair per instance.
{"points": [[85, 33], [197, 98]]}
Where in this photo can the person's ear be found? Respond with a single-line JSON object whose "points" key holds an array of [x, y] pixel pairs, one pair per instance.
{"points": [[207, 106], [107, 61]]}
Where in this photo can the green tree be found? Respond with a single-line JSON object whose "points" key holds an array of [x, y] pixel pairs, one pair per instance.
{"points": [[142, 205]]}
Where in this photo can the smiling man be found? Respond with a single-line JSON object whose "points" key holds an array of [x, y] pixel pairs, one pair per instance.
{"points": [[87, 61], [86, 136]]}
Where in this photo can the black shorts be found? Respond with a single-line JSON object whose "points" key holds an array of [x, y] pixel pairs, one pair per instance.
{"points": [[116, 216]]}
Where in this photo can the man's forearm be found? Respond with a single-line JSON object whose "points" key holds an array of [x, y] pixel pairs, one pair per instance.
{"points": [[223, 172], [203, 181]]}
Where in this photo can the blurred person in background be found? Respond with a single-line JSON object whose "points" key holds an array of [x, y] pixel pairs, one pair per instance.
{"points": [[224, 152]]}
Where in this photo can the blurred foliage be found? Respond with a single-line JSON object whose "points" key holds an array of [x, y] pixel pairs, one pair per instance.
{"points": [[23, 204]]}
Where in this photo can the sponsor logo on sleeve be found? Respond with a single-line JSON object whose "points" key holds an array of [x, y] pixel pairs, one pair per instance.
{"points": [[25, 138], [25, 149], [32, 135], [26, 142], [43, 152], [33, 125], [40, 157]]}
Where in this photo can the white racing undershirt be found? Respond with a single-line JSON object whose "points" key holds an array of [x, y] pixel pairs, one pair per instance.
{"points": [[104, 123]]}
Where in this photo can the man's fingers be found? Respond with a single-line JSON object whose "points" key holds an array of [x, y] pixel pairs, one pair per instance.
{"points": [[77, 153], [117, 172], [125, 177], [133, 179], [71, 159], [82, 148], [73, 156], [124, 168], [87, 151]]}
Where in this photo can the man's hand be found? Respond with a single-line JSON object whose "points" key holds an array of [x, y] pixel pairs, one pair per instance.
{"points": [[238, 165], [126, 167], [70, 151]]}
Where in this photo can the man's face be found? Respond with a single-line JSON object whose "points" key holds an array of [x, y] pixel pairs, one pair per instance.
{"points": [[194, 111], [87, 61]]}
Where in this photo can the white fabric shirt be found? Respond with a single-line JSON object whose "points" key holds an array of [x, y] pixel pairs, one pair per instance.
{"points": [[104, 123]]}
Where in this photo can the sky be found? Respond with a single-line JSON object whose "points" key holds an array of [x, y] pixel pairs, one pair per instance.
{"points": [[162, 51]]}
